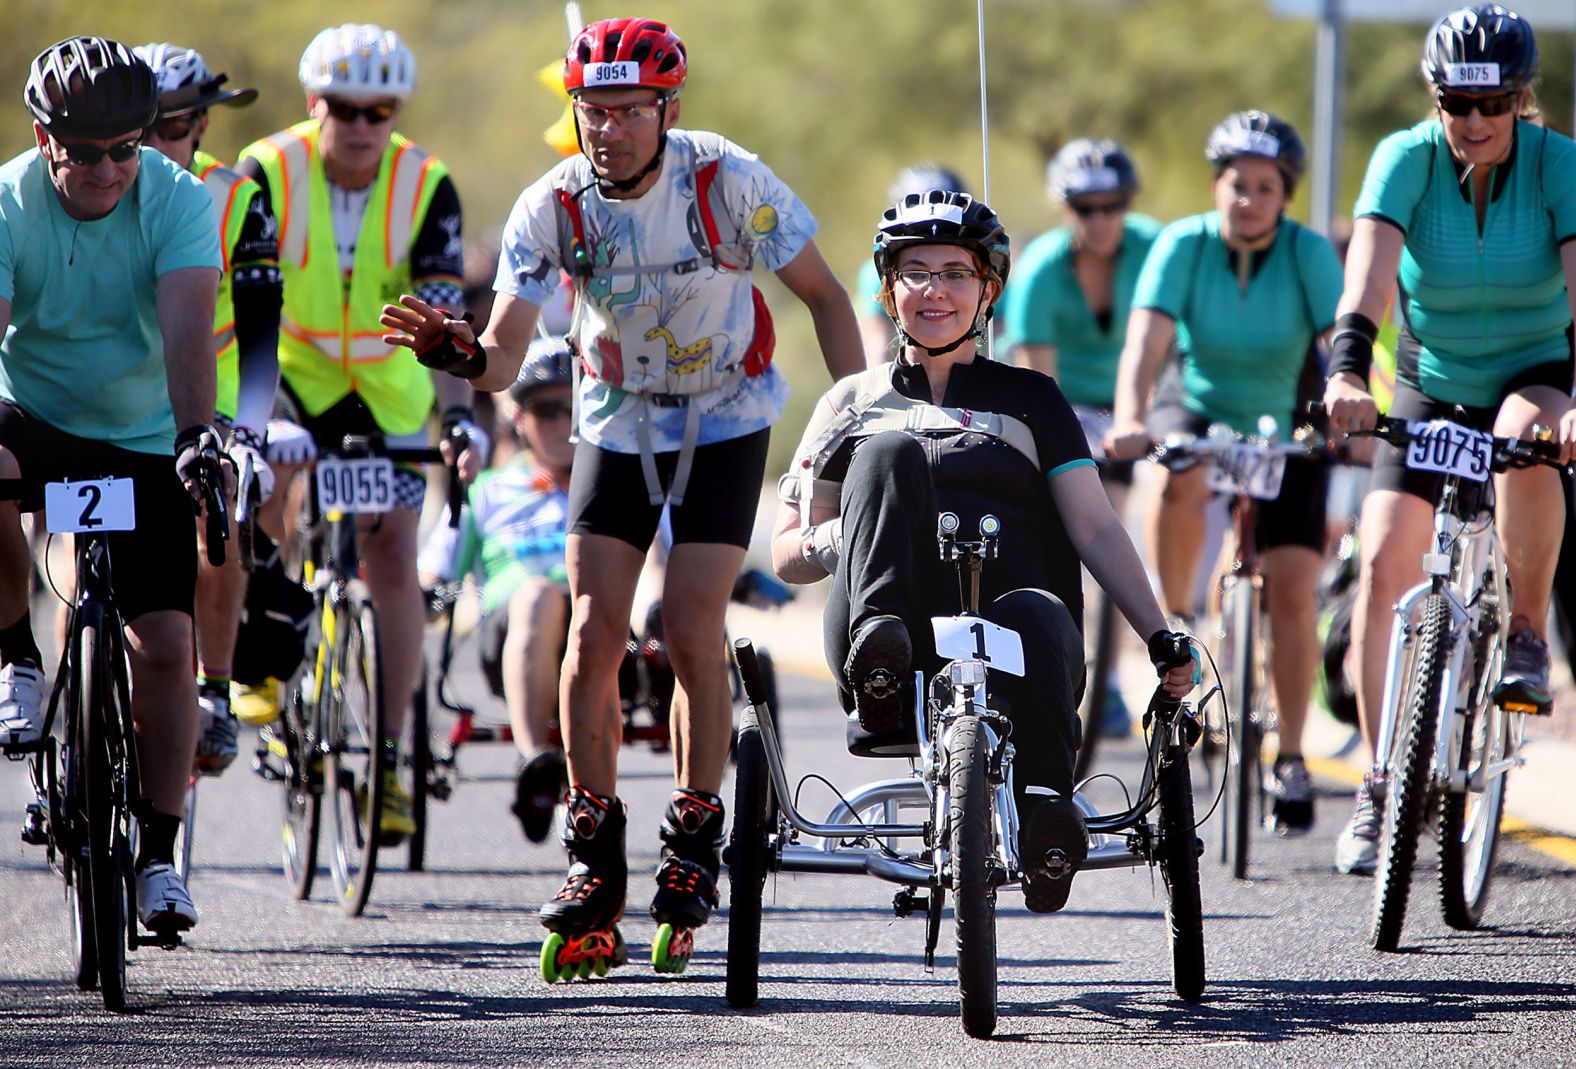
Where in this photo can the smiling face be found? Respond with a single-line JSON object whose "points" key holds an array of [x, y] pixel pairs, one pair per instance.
{"points": [[621, 129], [937, 312], [1475, 138], [88, 191], [1250, 194]]}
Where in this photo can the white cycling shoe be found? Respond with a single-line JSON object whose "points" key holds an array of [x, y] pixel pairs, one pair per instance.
{"points": [[162, 900], [21, 705]]}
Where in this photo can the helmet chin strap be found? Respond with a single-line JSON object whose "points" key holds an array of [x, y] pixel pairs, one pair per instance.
{"points": [[981, 317]]}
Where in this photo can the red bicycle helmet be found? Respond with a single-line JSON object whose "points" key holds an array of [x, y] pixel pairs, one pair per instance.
{"points": [[621, 53]]}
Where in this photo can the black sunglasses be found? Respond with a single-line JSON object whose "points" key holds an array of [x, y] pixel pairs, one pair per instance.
{"points": [[347, 113], [177, 128], [1084, 211], [545, 410], [1461, 105], [89, 155]]}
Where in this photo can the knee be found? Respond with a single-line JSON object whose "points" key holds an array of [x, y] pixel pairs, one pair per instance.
{"points": [[390, 553], [694, 641], [888, 454], [537, 606], [594, 636], [1043, 622], [161, 642], [9, 468]]}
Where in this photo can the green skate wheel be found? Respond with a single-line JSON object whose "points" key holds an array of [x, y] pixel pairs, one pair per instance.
{"points": [[670, 953], [550, 948]]}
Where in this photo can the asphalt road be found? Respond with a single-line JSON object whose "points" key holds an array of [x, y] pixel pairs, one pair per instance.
{"points": [[443, 968]]}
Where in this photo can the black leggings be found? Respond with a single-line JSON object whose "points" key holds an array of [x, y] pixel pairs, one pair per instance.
{"points": [[890, 567]]}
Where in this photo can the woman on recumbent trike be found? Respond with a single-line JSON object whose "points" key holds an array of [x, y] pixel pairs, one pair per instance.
{"points": [[943, 428]]}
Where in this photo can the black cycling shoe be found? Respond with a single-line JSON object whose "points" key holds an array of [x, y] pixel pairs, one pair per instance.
{"points": [[877, 669], [537, 790], [1053, 844], [1524, 681]]}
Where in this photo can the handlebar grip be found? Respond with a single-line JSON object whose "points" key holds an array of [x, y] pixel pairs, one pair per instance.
{"points": [[1316, 409], [749, 671]]}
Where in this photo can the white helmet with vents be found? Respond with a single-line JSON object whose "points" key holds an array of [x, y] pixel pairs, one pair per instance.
{"points": [[358, 61]]}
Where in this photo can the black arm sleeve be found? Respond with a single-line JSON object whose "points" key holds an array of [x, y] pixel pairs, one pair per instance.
{"points": [[257, 291], [436, 250]]}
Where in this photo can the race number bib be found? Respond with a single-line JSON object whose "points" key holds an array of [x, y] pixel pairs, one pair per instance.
{"points": [[1246, 468], [358, 484], [1450, 449], [88, 506], [959, 637]]}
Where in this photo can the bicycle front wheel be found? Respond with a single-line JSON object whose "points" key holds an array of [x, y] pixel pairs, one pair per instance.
{"points": [[1179, 850], [971, 841], [748, 848], [293, 741], [1240, 609], [355, 734], [1409, 767], [103, 811], [416, 769]]}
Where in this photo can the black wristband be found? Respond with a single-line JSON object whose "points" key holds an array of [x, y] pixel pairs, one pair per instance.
{"points": [[1352, 349]]}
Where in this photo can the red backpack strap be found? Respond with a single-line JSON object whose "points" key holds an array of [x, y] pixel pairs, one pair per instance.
{"points": [[758, 357], [705, 175], [572, 245]]}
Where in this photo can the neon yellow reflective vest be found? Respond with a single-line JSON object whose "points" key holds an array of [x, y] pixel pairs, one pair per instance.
{"points": [[232, 195], [330, 341], [1381, 374]]}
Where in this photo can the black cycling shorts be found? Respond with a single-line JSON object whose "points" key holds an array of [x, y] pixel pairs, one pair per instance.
{"points": [[351, 416], [1390, 470], [154, 567], [1296, 517], [607, 495]]}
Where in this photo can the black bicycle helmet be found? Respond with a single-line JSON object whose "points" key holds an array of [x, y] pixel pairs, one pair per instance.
{"points": [[920, 177], [1483, 48], [91, 88], [547, 363], [1258, 133], [943, 217], [1088, 166]]}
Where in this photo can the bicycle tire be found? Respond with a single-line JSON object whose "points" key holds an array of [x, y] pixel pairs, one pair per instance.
{"points": [[1409, 775], [1469, 829], [1241, 612], [970, 842], [105, 858], [747, 861], [73, 855], [1092, 712], [1178, 852], [416, 770], [355, 781]]}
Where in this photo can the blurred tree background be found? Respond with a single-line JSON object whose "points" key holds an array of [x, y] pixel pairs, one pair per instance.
{"points": [[836, 95]]}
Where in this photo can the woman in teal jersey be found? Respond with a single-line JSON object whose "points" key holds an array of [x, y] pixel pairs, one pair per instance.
{"points": [[1474, 210], [1243, 292], [1066, 312]]}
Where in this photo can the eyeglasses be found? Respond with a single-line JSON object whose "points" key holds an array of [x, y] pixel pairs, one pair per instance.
{"points": [[176, 128], [1461, 105], [348, 113], [598, 117], [549, 410], [1084, 211], [89, 155], [917, 278]]}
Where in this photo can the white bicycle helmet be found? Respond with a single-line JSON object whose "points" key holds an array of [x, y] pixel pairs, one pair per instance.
{"points": [[185, 82], [358, 61]]}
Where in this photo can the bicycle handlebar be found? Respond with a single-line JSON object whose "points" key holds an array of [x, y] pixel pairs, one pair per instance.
{"points": [[1180, 450], [353, 445], [1508, 452], [210, 488]]}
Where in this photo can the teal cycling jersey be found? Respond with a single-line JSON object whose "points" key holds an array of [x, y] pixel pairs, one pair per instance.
{"points": [[868, 299], [1482, 306], [1045, 305], [1242, 348], [83, 352]]}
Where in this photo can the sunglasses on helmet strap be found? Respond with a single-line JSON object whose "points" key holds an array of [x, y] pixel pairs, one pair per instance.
{"points": [[1461, 104]]}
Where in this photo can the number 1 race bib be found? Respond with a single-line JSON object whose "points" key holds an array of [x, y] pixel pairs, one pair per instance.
{"points": [[1450, 449], [355, 484], [963, 637], [88, 506], [1246, 468]]}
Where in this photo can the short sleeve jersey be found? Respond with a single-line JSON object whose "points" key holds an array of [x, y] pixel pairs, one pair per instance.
{"points": [[1044, 305], [654, 328], [1482, 306], [83, 352], [976, 473], [514, 527], [1243, 349]]}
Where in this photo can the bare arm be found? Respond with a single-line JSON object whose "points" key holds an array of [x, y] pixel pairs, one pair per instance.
{"points": [[1041, 358], [788, 559], [809, 278], [1105, 548], [1149, 335], [185, 299], [1372, 260]]}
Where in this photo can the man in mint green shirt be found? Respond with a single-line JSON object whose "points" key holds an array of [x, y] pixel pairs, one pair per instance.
{"points": [[109, 265]]}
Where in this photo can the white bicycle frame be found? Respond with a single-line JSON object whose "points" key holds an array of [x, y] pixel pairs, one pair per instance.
{"points": [[1468, 568]]}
